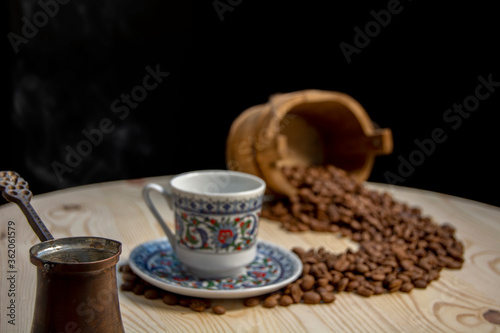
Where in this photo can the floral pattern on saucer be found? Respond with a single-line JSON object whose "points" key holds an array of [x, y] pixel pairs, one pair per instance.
{"points": [[273, 268]]}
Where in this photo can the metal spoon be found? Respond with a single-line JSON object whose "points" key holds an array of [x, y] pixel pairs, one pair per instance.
{"points": [[15, 189]]}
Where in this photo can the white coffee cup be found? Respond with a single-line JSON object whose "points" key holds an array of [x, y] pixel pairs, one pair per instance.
{"points": [[216, 220]]}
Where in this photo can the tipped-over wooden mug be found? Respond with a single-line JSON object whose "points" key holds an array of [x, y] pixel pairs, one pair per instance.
{"points": [[304, 128]]}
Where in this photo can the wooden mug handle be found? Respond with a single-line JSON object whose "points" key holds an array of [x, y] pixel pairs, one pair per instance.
{"points": [[381, 141]]}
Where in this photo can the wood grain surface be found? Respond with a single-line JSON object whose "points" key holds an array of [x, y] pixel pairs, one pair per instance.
{"points": [[465, 300]]}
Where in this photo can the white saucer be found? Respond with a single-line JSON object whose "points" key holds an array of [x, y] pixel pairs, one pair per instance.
{"points": [[273, 268]]}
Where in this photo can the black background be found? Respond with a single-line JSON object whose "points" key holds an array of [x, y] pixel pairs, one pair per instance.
{"points": [[64, 79]]}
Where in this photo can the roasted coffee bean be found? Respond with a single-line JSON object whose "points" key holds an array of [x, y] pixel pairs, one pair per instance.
{"points": [[394, 285], [286, 300], [300, 252], [342, 284], [405, 278], [327, 296], [362, 268], [219, 309], [151, 294], [311, 297], [170, 299], [420, 283], [270, 302], [453, 264], [252, 301], [320, 269], [321, 282], [341, 264], [139, 289], [406, 287], [365, 291], [378, 276], [352, 285], [307, 282], [197, 305]]}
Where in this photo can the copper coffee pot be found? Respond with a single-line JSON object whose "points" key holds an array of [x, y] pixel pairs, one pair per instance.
{"points": [[76, 276]]}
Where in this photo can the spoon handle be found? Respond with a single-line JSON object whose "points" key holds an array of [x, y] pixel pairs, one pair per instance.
{"points": [[15, 189]]}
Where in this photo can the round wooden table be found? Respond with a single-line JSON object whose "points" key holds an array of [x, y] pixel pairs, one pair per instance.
{"points": [[459, 301]]}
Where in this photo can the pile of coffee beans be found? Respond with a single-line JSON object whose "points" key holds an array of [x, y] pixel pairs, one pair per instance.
{"points": [[399, 248]]}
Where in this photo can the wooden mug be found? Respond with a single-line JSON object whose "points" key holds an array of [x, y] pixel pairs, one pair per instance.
{"points": [[304, 128]]}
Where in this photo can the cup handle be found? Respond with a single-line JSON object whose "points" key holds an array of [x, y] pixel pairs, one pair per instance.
{"points": [[168, 196]]}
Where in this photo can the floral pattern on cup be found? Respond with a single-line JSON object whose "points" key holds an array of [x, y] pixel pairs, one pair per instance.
{"points": [[215, 233], [217, 207]]}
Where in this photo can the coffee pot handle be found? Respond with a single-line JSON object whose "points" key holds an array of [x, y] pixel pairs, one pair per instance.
{"points": [[168, 197]]}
